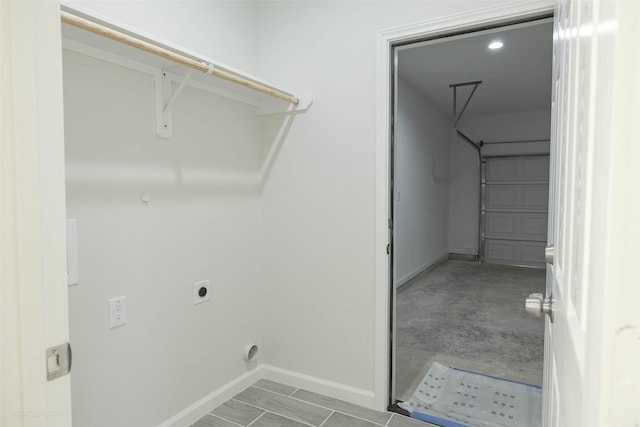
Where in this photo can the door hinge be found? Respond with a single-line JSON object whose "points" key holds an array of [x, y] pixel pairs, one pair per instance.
{"points": [[58, 360], [388, 248]]}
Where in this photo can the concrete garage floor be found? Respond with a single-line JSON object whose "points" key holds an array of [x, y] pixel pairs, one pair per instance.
{"points": [[470, 316]]}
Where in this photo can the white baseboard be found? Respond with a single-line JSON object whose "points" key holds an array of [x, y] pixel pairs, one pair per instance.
{"points": [[430, 263], [214, 399], [344, 392]]}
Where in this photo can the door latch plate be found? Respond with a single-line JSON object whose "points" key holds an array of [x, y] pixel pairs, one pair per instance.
{"points": [[58, 361]]}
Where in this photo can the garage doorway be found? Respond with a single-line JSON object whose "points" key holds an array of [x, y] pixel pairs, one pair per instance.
{"points": [[470, 201]]}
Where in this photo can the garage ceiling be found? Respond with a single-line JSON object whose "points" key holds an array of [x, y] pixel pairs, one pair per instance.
{"points": [[515, 78]]}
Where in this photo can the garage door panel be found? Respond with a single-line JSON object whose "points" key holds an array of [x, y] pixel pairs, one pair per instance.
{"points": [[502, 169], [534, 197], [532, 253], [516, 226], [515, 204], [533, 226], [529, 168], [502, 197], [514, 252], [522, 197], [501, 224], [534, 168], [502, 251]]}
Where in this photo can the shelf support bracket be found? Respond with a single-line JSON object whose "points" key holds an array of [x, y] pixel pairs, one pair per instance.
{"points": [[164, 121], [165, 100], [178, 91]]}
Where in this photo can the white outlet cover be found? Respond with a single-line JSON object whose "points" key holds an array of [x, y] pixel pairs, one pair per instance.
{"points": [[197, 299], [117, 312]]}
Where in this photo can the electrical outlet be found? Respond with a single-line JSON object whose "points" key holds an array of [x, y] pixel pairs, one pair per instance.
{"points": [[201, 291], [117, 312]]}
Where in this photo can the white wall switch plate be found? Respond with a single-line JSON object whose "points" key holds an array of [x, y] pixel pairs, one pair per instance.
{"points": [[117, 312], [201, 291]]}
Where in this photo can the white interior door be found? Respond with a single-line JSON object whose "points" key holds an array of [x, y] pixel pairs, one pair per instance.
{"points": [[594, 84]]}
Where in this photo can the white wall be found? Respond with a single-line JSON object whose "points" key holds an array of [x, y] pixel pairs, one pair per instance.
{"points": [[463, 200], [202, 222], [421, 205]]}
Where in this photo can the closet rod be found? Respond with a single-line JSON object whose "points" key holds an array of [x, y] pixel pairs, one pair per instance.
{"points": [[95, 28]]}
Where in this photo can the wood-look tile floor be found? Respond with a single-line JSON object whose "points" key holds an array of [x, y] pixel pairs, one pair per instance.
{"points": [[270, 404]]}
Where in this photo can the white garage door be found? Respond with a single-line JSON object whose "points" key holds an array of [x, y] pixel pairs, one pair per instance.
{"points": [[515, 201]]}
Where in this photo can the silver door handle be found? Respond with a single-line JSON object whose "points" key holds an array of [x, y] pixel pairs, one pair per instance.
{"points": [[549, 254], [536, 304]]}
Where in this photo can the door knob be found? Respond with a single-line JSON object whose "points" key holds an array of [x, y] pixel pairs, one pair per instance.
{"points": [[536, 304], [549, 254]]}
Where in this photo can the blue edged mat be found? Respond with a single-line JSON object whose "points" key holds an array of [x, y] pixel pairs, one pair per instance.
{"points": [[453, 397]]}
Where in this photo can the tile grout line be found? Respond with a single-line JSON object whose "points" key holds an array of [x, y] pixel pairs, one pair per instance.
{"points": [[290, 419], [259, 416], [244, 403], [224, 419], [363, 419], [327, 419], [250, 404], [253, 406], [271, 391], [393, 414]]}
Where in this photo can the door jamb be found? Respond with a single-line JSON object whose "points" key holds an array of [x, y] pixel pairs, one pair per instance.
{"points": [[387, 40]]}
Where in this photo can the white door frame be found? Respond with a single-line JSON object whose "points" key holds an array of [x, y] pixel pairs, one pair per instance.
{"points": [[33, 295], [472, 20]]}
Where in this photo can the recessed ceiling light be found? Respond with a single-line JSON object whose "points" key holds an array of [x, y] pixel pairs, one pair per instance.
{"points": [[496, 45]]}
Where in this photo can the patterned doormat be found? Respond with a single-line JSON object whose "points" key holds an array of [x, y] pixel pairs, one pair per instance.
{"points": [[453, 397]]}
